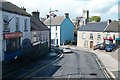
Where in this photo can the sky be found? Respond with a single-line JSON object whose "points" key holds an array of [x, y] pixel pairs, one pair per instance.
{"points": [[107, 9]]}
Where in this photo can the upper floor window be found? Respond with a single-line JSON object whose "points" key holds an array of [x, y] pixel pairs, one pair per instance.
{"points": [[98, 36], [17, 23], [91, 35], [25, 24], [56, 28], [5, 23], [84, 36]]}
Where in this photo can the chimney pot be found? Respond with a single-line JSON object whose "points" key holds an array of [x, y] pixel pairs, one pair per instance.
{"points": [[36, 14], [47, 16], [109, 21], [67, 15], [23, 8]]}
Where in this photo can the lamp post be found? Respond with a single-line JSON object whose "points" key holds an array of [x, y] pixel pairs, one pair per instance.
{"points": [[50, 23]]}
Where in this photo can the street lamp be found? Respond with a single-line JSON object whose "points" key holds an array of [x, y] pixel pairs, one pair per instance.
{"points": [[50, 23]]}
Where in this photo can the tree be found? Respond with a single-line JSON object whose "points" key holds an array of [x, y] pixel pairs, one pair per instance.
{"points": [[95, 18]]}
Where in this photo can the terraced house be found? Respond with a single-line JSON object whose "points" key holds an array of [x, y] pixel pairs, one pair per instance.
{"points": [[40, 35], [95, 33], [62, 29], [14, 30]]}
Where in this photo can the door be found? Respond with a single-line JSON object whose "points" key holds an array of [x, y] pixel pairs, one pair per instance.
{"points": [[91, 44]]}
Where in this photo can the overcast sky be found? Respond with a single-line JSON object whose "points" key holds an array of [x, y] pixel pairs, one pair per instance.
{"points": [[107, 9]]}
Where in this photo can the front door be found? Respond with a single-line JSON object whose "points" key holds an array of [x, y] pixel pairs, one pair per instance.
{"points": [[91, 44]]}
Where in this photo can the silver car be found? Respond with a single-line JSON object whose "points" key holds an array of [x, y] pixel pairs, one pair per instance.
{"points": [[67, 50]]}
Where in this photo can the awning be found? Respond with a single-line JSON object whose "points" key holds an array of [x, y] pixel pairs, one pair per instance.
{"points": [[12, 35], [108, 38], [117, 38]]}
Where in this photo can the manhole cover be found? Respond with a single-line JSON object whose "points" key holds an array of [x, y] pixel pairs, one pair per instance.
{"points": [[93, 74]]}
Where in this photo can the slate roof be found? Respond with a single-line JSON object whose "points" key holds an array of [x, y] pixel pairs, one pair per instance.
{"points": [[55, 21], [96, 26], [11, 8], [113, 27], [37, 25]]}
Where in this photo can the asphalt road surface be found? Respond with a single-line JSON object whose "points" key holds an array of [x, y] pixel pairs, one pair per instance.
{"points": [[78, 64]]}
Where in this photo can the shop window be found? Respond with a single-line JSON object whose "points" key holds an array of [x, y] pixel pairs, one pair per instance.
{"points": [[12, 44]]}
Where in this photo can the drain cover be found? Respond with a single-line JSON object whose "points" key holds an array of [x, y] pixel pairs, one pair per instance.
{"points": [[93, 74]]}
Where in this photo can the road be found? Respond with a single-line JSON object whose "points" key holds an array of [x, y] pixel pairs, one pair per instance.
{"points": [[78, 64]]}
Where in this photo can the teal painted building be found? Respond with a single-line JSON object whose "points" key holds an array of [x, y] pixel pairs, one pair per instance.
{"points": [[62, 29]]}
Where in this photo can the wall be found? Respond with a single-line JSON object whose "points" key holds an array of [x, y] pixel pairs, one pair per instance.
{"points": [[53, 33], [1, 37], [66, 31], [25, 34], [81, 41], [40, 36]]}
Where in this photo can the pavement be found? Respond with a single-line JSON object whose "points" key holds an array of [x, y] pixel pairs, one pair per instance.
{"points": [[109, 59]]}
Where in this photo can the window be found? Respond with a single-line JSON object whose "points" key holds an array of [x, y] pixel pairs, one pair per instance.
{"points": [[57, 41], [56, 28], [52, 41], [108, 35], [40, 37], [25, 24], [84, 36], [86, 44], [6, 23], [12, 44], [98, 36], [56, 35], [91, 35], [17, 23]]}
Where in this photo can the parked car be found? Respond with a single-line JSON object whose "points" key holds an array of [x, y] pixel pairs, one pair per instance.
{"points": [[110, 47], [101, 46], [67, 50], [96, 47]]}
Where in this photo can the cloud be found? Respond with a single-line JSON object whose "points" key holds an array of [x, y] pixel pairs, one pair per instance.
{"points": [[74, 7], [112, 13]]}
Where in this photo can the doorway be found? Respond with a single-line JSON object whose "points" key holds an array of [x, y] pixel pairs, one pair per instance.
{"points": [[91, 44]]}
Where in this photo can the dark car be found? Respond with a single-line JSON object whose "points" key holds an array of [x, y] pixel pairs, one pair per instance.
{"points": [[110, 47], [96, 47]]}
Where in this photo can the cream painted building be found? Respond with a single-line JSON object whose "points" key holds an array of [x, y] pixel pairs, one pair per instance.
{"points": [[94, 33]]}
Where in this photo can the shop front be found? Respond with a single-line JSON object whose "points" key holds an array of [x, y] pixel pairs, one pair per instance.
{"points": [[108, 40], [12, 45], [118, 41]]}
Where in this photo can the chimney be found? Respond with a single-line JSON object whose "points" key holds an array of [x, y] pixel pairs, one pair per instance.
{"points": [[109, 21], [54, 16], [23, 8], [86, 16], [47, 16], [36, 14], [67, 15]]}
